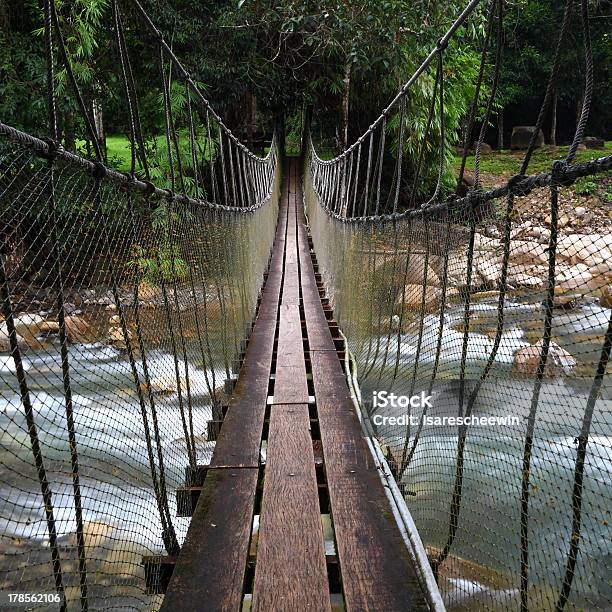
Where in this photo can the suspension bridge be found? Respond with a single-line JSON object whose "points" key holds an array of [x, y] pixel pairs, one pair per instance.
{"points": [[186, 366]]}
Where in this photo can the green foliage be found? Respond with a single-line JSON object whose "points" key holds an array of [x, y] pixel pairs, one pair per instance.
{"points": [[585, 186], [22, 70], [532, 29], [167, 265], [460, 72]]}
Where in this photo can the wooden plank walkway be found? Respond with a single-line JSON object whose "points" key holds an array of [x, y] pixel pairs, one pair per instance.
{"points": [[291, 342]]}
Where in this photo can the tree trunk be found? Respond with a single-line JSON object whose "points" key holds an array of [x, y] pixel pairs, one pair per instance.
{"points": [[251, 120], [346, 92], [500, 129], [69, 135], [280, 133], [98, 117], [306, 130], [553, 120]]}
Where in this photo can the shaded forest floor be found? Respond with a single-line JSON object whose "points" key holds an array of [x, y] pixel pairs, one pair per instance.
{"points": [[584, 207]]}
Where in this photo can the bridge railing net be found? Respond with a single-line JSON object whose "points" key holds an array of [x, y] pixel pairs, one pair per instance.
{"points": [[124, 306], [480, 313], [157, 297], [400, 294]]}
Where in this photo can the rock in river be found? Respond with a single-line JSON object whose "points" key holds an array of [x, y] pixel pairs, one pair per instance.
{"points": [[559, 361], [412, 297], [78, 330]]}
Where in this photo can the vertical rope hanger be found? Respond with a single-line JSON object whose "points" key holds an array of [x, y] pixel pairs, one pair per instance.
{"points": [[52, 23], [459, 468], [158, 479], [187, 421], [583, 437]]}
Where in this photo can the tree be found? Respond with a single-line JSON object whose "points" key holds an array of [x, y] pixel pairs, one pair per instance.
{"points": [[531, 32]]}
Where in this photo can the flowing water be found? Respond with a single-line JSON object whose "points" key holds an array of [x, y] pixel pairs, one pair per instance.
{"points": [[120, 514], [482, 572]]}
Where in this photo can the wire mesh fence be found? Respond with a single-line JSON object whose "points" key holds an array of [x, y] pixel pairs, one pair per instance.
{"points": [[122, 316]]}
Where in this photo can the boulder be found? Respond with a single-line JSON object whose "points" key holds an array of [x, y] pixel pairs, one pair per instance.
{"points": [[527, 276], [28, 326], [559, 361], [164, 385], [562, 221], [117, 339], [485, 149], [580, 211], [5, 345], [78, 330], [490, 270], [593, 142], [591, 249], [606, 297], [486, 266], [523, 228], [49, 327], [484, 243], [70, 308], [540, 233], [567, 301], [96, 535], [409, 266], [577, 277], [528, 252], [485, 296], [521, 137], [465, 184], [412, 296]]}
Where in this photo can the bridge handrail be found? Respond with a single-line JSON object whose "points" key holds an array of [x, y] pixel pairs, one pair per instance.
{"points": [[476, 199], [125, 180], [441, 44]]}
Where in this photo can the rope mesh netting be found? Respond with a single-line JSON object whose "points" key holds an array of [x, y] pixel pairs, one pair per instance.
{"points": [[187, 279], [124, 310], [124, 305], [468, 302]]}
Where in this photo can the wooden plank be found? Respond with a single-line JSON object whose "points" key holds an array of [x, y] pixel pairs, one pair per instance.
{"points": [[290, 573], [210, 569], [290, 384], [291, 282], [240, 438], [378, 572]]}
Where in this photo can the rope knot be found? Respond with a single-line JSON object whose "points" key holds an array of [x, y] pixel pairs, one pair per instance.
{"points": [[559, 173], [150, 187], [99, 170], [514, 185], [475, 199], [53, 148], [442, 44]]}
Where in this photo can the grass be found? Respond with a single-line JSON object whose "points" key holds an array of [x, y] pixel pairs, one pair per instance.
{"points": [[119, 152], [119, 149], [507, 162]]}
